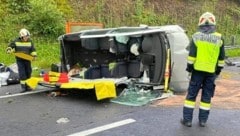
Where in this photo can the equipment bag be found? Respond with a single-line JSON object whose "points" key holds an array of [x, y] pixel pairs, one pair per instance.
{"points": [[13, 78]]}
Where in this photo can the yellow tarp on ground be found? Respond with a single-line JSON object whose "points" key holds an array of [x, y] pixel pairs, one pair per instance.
{"points": [[104, 88], [33, 82], [78, 85]]}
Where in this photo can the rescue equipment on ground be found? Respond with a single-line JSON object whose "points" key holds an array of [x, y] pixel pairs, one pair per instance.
{"points": [[54, 77], [167, 72]]}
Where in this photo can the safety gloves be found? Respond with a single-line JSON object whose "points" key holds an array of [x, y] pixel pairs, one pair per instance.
{"points": [[189, 68], [218, 70], [34, 58]]}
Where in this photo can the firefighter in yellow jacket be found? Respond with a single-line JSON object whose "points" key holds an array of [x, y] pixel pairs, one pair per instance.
{"points": [[23, 44], [205, 62]]}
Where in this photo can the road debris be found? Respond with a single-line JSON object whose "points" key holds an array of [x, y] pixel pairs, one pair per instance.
{"points": [[62, 120]]}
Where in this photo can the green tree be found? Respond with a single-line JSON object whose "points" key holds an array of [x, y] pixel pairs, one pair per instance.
{"points": [[65, 8], [45, 18], [18, 6]]}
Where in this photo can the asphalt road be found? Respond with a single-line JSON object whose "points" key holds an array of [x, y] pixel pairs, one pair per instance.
{"points": [[37, 115]]}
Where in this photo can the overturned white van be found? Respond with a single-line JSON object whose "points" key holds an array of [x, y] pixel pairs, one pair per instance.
{"points": [[150, 55]]}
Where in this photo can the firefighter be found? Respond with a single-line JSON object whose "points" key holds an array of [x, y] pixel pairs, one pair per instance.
{"points": [[205, 62], [23, 44]]}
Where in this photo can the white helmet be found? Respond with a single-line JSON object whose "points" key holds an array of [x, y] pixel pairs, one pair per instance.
{"points": [[207, 18], [24, 32]]}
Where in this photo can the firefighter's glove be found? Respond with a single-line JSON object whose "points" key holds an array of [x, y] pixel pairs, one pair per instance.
{"points": [[218, 70], [34, 58], [9, 50], [189, 68]]}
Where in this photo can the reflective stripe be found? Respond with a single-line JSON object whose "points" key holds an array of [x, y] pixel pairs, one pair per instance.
{"points": [[221, 63], [191, 59], [25, 44], [214, 38], [189, 104], [204, 106], [22, 81], [190, 62]]}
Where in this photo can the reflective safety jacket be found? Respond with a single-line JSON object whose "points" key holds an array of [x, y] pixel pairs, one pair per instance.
{"points": [[19, 46], [206, 52]]}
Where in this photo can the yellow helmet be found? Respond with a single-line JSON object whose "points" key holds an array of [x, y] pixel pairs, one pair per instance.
{"points": [[24, 32], [207, 18]]}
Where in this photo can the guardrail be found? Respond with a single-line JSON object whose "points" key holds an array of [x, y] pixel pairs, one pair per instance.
{"points": [[229, 47]]}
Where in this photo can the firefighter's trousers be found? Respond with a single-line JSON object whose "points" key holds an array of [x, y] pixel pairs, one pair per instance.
{"points": [[199, 80], [24, 70]]}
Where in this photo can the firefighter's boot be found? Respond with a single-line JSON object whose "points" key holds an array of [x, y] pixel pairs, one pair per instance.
{"points": [[186, 123], [28, 88], [24, 88], [202, 123]]}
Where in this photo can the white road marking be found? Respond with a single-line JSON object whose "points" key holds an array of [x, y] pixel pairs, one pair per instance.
{"points": [[102, 128], [20, 94]]}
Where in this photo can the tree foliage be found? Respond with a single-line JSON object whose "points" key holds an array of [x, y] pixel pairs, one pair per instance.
{"points": [[45, 19], [42, 17], [18, 6], [159, 12], [65, 8]]}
